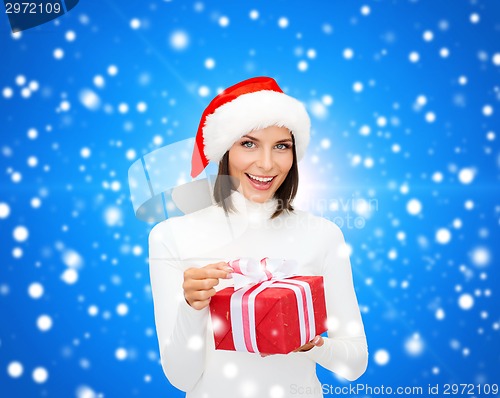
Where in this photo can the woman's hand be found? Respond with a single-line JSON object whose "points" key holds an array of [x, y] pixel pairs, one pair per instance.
{"points": [[199, 283], [316, 342]]}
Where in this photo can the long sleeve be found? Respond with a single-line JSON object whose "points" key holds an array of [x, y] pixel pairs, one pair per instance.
{"points": [[181, 329], [345, 350]]}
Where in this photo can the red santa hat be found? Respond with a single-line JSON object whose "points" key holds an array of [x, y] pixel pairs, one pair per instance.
{"points": [[252, 104]]}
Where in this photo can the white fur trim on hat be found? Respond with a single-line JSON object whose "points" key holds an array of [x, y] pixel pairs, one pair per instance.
{"points": [[255, 111]]}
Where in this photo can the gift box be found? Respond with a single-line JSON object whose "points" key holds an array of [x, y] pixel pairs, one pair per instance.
{"points": [[273, 317]]}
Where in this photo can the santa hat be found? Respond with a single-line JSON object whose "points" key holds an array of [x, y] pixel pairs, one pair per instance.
{"points": [[252, 104]]}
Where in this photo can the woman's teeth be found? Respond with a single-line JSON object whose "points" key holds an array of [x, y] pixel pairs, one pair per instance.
{"points": [[259, 178]]}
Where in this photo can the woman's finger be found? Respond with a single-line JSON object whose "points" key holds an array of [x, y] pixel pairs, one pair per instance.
{"points": [[220, 265], [318, 341], [199, 299], [218, 270], [199, 305], [201, 273], [203, 284], [202, 295]]}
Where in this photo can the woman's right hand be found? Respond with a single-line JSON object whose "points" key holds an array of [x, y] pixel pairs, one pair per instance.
{"points": [[199, 283]]}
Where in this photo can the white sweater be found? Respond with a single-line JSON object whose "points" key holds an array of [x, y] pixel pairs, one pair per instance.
{"points": [[185, 337]]}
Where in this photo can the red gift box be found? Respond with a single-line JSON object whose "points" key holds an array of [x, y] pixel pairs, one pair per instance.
{"points": [[277, 329]]}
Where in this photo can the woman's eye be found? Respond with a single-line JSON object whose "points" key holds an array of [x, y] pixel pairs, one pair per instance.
{"points": [[283, 146], [247, 144]]}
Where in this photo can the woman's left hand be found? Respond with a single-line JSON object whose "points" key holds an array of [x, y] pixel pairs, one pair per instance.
{"points": [[316, 342]]}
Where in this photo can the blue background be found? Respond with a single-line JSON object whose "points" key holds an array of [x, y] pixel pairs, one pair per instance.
{"points": [[426, 281]]}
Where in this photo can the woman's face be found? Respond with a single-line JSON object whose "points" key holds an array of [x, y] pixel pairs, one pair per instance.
{"points": [[265, 155]]}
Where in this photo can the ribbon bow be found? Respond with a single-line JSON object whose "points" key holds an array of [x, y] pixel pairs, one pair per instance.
{"points": [[250, 271]]}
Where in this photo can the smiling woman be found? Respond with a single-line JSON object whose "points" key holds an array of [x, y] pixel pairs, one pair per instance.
{"points": [[264, 165], [265, 161], [257, 134]]}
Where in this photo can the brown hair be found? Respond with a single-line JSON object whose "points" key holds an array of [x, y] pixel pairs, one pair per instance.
{"points": [[224, 185]]}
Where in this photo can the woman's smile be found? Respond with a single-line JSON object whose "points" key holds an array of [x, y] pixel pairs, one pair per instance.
{"points": [[261, 183]]}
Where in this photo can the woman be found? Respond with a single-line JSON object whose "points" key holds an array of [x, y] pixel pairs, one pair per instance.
{"points": [[257, 134]]}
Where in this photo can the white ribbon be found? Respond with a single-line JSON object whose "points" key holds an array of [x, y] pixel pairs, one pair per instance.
{"points": [[250, 271]]}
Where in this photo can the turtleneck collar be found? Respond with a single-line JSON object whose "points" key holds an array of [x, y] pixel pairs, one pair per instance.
{"points": [[253, 210]]}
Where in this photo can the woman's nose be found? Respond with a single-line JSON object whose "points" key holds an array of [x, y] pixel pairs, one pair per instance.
{"points": [[265, 160]]}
